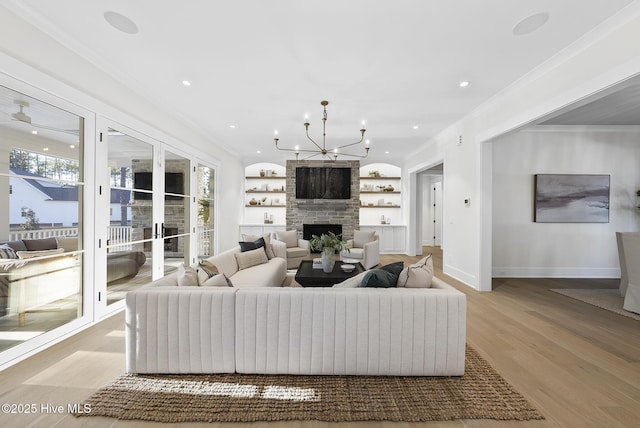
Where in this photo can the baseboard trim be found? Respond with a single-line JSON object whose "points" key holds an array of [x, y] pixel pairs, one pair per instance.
{"points": [[555, 272]]}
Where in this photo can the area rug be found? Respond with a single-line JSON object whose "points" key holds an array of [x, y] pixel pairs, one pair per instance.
{"points": [[605, 298], [480, 394]]}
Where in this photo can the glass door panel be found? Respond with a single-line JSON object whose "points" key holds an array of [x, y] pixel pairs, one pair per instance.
{"points": [[131, 227], [175, 228], [205, 197], [41, 188]]}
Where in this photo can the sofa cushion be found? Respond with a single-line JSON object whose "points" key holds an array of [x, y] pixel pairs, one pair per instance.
{"points": [[270, 274], [361, 237], [187, 276], [251, 258], [296, 252], [267, 243], [218, 280], [16, 245], [417, 275], [40, 253], [6, 252], [289, 237], [226, 261], [40, 244], [69, 243]]}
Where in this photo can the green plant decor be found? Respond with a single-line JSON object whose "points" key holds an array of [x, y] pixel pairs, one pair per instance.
{"points": [[329, 240]]}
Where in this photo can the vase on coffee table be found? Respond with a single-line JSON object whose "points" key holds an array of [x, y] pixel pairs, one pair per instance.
{"points": [[328, 259]]}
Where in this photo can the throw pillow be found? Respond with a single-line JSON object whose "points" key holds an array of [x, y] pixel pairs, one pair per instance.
{"points": [[361, 237], [385, 276], [353, 282], [69, 243], [417, 275], [6, 252], [219, 280], [378, 278], [251, 258], [267, 243], [39, 253], [289, 237], [187, 276], [258, 243]]}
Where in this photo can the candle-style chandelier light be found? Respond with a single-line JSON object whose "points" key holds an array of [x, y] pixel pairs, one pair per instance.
{"points": [[322, 150]]}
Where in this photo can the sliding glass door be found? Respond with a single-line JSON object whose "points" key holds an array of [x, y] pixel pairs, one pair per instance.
{"points": [[177, 211], [41, 221]]}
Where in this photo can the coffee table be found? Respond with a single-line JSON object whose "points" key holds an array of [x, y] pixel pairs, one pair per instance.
{"points": [[307, 276]]}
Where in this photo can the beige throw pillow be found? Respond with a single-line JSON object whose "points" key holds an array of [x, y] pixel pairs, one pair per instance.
{"points": [[267, 242], [353, 282], [289, 237], [361, 237], [417, 275], [218, 280], [251, 258]]}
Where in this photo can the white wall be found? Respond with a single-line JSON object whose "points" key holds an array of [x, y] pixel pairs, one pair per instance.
{"points": [[522, 248], [604, 57]]}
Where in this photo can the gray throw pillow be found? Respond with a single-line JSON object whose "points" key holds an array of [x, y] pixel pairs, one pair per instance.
{"points": [[383, 277]]}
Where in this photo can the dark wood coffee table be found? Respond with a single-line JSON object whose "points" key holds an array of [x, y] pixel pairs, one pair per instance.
{"points": [[307, 276]]}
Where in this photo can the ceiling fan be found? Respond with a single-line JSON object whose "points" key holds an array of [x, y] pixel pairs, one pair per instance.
{"points": [[21, 116]]}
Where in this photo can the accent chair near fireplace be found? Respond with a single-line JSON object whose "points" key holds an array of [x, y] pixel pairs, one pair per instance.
{"points": [[294, 249]]}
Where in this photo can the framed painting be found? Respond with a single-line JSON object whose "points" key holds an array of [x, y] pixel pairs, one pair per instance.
{"points": [[571, 198]]}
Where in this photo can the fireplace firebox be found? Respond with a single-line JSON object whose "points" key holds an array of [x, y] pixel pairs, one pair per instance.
{"points": [[308, 230]]}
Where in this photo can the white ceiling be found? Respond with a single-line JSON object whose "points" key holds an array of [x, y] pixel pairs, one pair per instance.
{"points": [[261, 65]]}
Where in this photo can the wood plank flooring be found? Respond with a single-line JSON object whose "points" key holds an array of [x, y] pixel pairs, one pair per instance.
{"points": [[578, 364]]}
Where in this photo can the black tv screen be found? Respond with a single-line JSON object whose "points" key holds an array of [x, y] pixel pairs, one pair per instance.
{"points": [[323, 183], [173, 183]]}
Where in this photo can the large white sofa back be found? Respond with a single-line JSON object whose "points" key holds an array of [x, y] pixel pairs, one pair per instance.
{"points": [[351, 331], [394, 331]]}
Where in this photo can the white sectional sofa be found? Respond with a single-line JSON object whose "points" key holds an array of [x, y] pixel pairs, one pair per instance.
{"points": [[312, 331]]}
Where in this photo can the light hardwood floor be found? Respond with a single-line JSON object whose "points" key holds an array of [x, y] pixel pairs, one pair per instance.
{"points": [[578, 364]]}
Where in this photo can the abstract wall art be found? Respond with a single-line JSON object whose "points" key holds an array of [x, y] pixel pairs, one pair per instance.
{"points": [[571, 198]]}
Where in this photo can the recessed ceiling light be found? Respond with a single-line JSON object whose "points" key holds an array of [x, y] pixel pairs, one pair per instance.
{"points": [[34, 132], [186, 83], [415, 127], [530, 23], [464, 83], [120, 22], [232, 126], [72, 146], [46, 149], [387, 152], [258, 152]]}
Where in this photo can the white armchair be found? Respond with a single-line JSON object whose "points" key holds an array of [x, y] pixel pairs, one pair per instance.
{"points": [[287, 245], [364, 248]]}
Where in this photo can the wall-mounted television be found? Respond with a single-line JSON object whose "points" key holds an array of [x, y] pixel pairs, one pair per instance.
{"points": [[173, 183], [323, 183]]}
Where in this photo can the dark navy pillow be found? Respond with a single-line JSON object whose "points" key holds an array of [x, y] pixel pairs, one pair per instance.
{"points": [[383, 277], [248, 246]]}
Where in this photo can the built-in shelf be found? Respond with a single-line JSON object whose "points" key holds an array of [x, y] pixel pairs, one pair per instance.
{"points": [[379, 206], [267, 191], [265, 206], [378, 192], [257, 177], [380, 178]]}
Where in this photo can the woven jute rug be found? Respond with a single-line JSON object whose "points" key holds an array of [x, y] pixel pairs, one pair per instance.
{"points": [[480, 394], [605, 298]]}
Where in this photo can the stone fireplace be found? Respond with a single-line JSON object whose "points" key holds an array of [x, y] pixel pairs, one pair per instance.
{"points": [[323, 212]]}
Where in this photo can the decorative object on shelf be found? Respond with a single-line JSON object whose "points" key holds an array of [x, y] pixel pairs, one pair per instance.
{"points": [[264, 199], [389, 188], [382, 220], [328, 244], [253, 201], [374, 174], [262, 173], [322, 150]]}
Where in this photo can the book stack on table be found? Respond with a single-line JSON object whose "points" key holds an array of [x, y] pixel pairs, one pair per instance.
{"points": [[317, 263]]}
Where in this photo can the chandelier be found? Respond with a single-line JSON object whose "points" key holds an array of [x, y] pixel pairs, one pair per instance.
{"points": [[322, 150]]}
